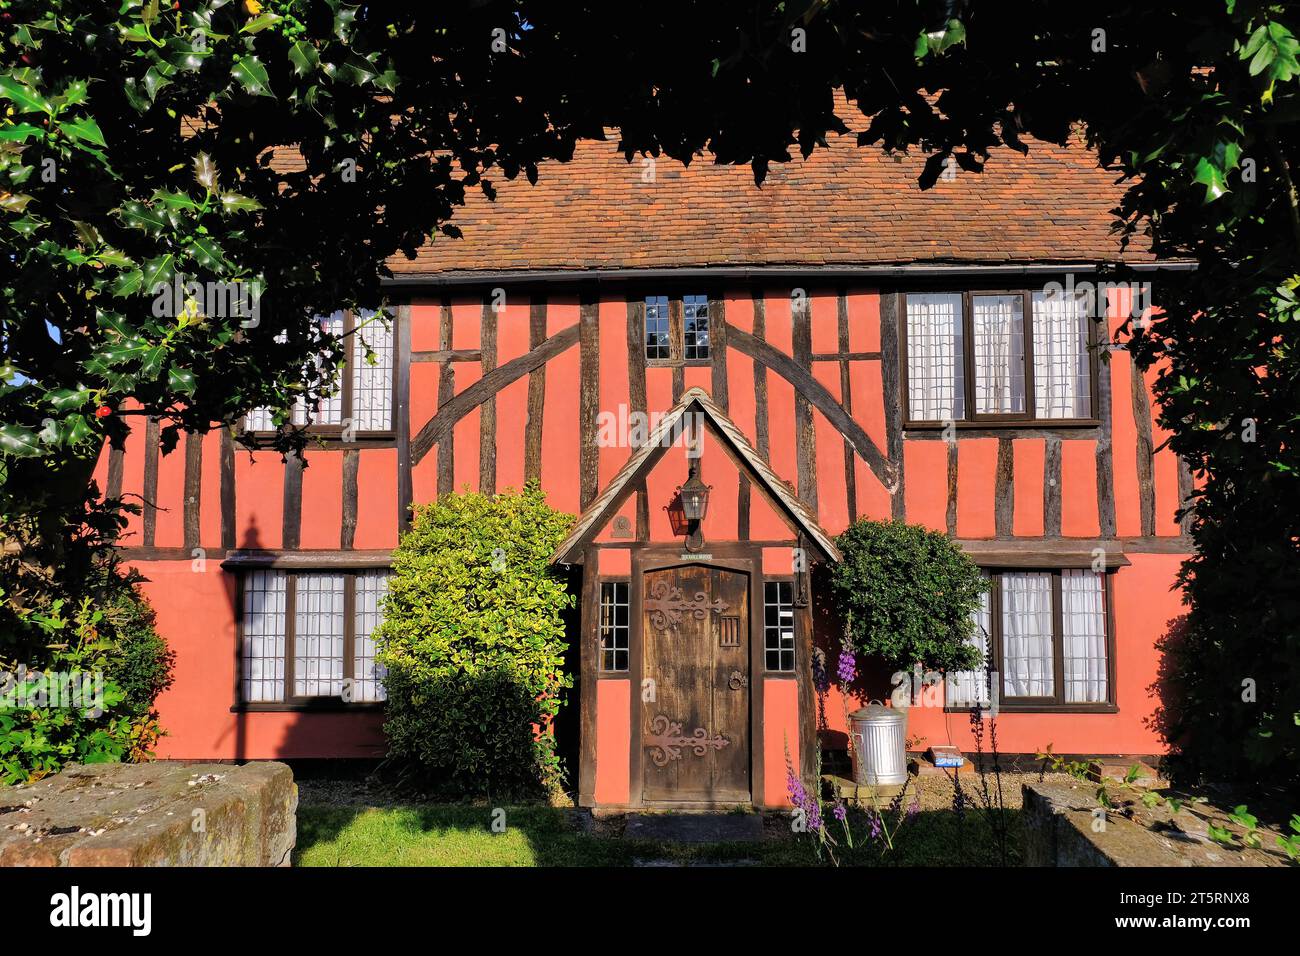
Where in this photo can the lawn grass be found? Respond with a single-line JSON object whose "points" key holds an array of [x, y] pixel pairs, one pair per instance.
{"points": [[461, 835]]}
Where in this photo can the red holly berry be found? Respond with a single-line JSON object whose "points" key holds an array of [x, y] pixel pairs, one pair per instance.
{"points": [[103, 411]]}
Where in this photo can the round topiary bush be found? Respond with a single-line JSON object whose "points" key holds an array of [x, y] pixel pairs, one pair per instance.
{"points": [[473, 642], [907, 594]]}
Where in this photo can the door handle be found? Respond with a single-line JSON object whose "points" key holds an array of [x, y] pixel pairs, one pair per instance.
{"points": [[737, 681]]}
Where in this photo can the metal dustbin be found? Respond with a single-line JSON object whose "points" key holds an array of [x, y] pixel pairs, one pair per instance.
{"points": [[879, 745]]}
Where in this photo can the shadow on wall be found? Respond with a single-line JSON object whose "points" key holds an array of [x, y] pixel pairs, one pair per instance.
{"points": [[568, 723], [1168, 689]]}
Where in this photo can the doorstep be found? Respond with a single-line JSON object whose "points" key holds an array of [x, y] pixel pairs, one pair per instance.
{"points": [[694, 827]]}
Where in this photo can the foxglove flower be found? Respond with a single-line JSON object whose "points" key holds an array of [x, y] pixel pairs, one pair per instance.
{"points": [[847, 668]]}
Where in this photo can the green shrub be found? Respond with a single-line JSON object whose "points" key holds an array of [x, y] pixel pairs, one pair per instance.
{"points": [[67, 607], [473, 642], [907, 594], [142, 664]]}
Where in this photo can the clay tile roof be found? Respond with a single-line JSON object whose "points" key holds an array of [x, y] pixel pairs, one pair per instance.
{"points": [[844, 206]]}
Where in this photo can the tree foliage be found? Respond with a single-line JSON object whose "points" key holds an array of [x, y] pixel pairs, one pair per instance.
{"points": [[908, 595]]}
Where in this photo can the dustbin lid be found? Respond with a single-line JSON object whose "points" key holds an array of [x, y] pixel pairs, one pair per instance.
{"points": [[878, 714]]}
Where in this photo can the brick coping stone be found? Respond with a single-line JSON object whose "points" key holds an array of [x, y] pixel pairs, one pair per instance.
{"points": [[152, 814]]}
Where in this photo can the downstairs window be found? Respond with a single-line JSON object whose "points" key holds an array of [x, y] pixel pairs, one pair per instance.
{"points": [[1050, 643], [306, 637]]}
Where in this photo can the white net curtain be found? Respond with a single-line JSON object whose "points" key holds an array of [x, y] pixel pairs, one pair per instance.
{"points": [[998, 328], [966, 688], [1083, 620], [1027, 659], [936, 388], [1062, 376]]}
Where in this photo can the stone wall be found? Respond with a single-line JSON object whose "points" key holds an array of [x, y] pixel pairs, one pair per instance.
{"points": [[1064, 828], [154, 814]]}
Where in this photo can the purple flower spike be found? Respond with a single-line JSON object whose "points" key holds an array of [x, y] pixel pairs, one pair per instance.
{"points": [[847, 668], [914, 807], [841, 811]]}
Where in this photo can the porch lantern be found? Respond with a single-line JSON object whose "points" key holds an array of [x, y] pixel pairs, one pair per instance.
{"points": [[695, 496], [689, 507]]}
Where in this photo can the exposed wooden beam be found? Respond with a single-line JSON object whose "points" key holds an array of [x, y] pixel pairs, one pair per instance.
{"points": [[1004, 488], [449, 355], [1145, 449], [487, 422], [536, 392], [821, 399], [227, 489], [348, 525], [402, 416], [446, 391], [637, 396], [846, 399], [890, 381], [1052, 488], [448, 415], [292, 516], [150, 490], [193, 487], [588, 398], [805, 431]]}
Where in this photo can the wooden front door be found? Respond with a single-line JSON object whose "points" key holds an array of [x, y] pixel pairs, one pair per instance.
{"points": [[695, 731]]}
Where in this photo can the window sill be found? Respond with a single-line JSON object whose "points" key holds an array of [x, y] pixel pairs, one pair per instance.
{"points": [[326, 706], [1042, 709], [678, 363], [329, 439], [1009, 423]]}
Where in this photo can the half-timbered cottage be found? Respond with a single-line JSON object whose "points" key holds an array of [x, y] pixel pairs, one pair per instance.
{"points": [[836, 344]]}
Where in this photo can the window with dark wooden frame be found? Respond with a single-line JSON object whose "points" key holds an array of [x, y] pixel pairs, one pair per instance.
{"points": [[677, 330], [999, 356], [614, 627], [307, 636], [778, 626], [365, 396], [1047, 637]]}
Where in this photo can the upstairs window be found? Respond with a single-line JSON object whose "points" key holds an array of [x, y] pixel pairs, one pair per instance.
{"points": [[364, 397], [677, 330], [657, 334], [998, 356]]}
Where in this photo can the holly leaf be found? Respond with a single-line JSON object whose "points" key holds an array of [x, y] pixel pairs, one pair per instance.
{"points": [[181, 380], [159, 271], [251, 74], [24, 98], [261, 23], [66, 399], [234, 202], [205, 172], [19, 133], [303, 56], [85, 129], [18, 441], [1212, 178], [127, 283], [14, 202], [137, 215]]}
